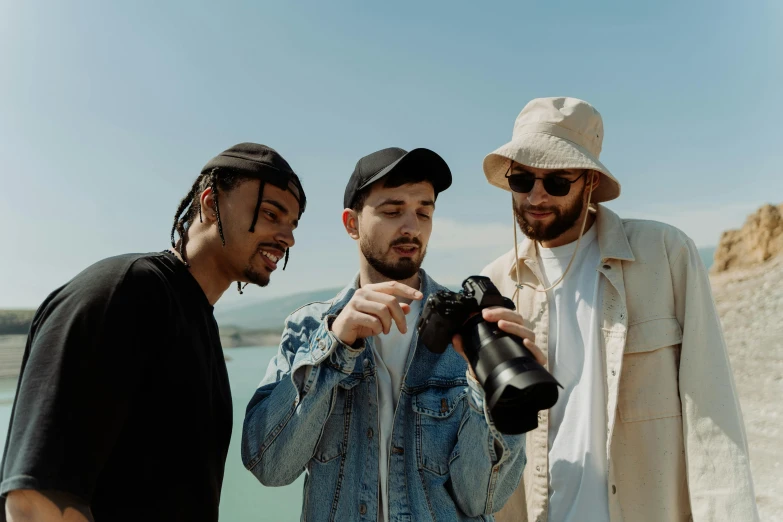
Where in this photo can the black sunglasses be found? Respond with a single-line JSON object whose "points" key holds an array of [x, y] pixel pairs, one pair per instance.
{"points": [[555, 184]]}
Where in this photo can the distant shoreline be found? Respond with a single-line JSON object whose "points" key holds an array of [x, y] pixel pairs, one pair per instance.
{"points": [[12, 345], [232, 337]]}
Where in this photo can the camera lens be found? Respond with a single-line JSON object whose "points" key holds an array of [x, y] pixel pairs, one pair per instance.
{"points": [[515, 385]]}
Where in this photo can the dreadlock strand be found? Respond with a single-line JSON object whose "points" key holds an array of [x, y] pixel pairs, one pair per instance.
{"points": [[285, 263], [184, 204], [217, 205], [258, 206], [183, 239]]}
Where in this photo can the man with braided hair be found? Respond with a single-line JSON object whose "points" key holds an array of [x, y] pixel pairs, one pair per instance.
{"points": [[123, 409]]}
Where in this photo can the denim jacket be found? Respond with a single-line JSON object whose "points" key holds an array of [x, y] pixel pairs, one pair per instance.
{"points": [[316, 411]]}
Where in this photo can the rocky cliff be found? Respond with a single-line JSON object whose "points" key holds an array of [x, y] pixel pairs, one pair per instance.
{"points": [[750, 304], [759, 240]]}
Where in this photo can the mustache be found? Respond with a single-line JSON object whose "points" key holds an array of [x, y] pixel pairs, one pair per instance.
{"points": [[405, 241], [532, 208], [275, 245]]}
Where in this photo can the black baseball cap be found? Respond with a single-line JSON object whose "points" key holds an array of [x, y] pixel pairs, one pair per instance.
{"points": [[375, 166], [262, 162]]}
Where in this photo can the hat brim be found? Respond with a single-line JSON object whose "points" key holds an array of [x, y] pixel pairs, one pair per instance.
{"points": [[435, 168], [545, 151]]}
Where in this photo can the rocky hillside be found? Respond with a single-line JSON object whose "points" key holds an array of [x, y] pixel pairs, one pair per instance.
{"points": [[747, 282], [760, 239], [750, 303]]}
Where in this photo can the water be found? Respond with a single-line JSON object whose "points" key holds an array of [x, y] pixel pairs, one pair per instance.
{"points": [[244, 498]]}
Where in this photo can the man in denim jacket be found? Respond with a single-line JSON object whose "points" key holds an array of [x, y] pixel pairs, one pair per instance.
{"points": [[384, 429]]}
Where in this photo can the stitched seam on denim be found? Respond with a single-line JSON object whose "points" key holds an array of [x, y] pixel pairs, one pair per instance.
{"points": [[272, 437], [323, 430], [346, 430], [426, 496], [436, 383], [493, 477], [425, 411]]}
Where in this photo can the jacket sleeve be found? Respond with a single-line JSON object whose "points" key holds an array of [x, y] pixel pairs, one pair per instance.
{"points": [[489, 464], [286, 415], [716, 448]]}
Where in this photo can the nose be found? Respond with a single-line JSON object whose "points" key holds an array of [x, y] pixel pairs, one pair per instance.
{"points": [[285, 236], [537, 195], [410, 225]]}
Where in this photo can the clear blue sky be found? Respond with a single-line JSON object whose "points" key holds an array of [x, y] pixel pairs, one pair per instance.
{"points": [[108, 110]]}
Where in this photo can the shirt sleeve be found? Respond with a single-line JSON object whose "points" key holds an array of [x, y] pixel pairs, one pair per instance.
{"points": [[716, 447], [82, 366]]}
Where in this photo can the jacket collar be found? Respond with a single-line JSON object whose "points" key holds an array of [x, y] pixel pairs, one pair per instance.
{"points": [[612, 241]]}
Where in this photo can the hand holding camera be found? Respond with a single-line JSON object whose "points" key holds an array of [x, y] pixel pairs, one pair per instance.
{"points": [[372, 310], [510, 322], [516, 385]]}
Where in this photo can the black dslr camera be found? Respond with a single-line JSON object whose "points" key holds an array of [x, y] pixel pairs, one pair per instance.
{"points": [[516, 386]]}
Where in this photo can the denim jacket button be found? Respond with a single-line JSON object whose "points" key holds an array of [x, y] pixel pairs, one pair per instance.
{"points": [[321, 344], [362, 509]]}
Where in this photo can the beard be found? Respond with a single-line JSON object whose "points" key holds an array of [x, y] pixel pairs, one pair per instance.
{"points": [[565, 218], [254, 276], [395, 270]]}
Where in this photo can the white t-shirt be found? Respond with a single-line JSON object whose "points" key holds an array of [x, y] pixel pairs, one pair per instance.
{"points": [[578, 467], [391, 353]]}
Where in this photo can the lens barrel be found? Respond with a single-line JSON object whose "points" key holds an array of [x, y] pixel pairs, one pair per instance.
{"points": [[515, 385]]}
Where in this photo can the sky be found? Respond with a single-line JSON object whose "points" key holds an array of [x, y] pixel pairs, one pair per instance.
{"points": [[108, 111]]}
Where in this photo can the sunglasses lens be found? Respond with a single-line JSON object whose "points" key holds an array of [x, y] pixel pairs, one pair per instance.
{"points": [[521, 182], [557, 186]]}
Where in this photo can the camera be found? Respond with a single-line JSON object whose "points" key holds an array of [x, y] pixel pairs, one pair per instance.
{"points": [[515, 385]]}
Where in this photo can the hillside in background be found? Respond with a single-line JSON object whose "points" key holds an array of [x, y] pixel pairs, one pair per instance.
{"points": [[270, 314], [759, 240]]}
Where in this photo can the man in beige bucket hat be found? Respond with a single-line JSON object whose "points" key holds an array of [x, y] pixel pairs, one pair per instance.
{"points": [[648, 425]]}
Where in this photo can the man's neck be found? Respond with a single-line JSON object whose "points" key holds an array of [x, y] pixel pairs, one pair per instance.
{"points": [[205, 270]]}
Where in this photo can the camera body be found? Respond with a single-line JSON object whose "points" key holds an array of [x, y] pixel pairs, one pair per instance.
{"points": [[515, 385], [445, 312]]}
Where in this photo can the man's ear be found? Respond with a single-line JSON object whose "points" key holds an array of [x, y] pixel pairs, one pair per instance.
{"points": [[207, 201], [594, 178], [351, 222]]}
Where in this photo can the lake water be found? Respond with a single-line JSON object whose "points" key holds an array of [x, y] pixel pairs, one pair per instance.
{"points": [[244, 498]]}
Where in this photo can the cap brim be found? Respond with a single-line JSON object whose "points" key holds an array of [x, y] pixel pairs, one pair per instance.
{"points": [[435, 168], [545, 151]]}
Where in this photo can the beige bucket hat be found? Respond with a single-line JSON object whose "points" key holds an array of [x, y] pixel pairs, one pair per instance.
{"points": [[555, 133]]}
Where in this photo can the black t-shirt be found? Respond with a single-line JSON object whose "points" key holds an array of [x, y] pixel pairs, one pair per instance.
{"points": [[123, 399]]}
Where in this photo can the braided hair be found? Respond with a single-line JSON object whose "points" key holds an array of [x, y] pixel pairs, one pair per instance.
{"points": [[190, 206], [218, 180]]}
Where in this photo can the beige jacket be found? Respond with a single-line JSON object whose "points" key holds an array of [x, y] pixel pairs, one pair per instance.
{"points": [[675, 439]]}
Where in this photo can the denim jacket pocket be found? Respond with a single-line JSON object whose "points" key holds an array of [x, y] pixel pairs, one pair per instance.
{"points": [[438, 415], [334, 436], [649, 386]]}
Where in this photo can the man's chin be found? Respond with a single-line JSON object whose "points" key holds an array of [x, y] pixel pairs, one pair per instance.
{"points": [[254, 277], [399, 270]]}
